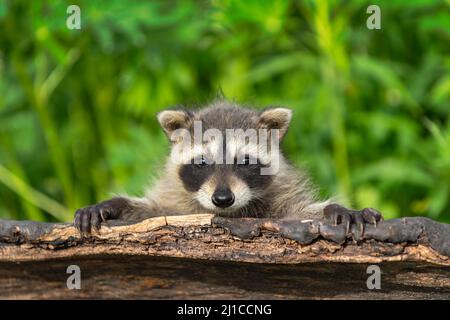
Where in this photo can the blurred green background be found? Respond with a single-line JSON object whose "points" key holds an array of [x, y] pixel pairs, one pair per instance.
{"points": [[77, 107]]}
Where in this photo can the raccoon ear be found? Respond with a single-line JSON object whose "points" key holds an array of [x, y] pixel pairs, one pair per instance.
{"points": [[171, 120], [275, 118]]}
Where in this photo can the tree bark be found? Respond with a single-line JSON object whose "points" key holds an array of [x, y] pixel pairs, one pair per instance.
{"points": [[202, 256]]}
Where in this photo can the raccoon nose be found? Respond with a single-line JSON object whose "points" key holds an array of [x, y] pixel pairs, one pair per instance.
{"points": [[223, 198]]}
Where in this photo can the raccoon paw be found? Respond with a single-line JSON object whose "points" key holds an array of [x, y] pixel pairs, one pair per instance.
{"points": [[92, 216], [339, 215]]}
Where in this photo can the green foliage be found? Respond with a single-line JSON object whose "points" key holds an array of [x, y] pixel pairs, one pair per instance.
{"points": [[77, 107]]}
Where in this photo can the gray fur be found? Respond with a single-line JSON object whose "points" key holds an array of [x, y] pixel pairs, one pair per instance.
{"points": [[289, 195]]}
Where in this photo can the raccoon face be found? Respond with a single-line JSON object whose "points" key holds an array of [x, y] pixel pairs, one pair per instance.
{"points": [[224, 187], [223, 172]]}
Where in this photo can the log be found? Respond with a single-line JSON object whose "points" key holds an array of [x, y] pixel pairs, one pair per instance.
{"points": [[203, 256]]}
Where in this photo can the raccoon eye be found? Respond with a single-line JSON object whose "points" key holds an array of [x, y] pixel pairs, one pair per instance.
{"points": [[245, 161], [200, 162]]}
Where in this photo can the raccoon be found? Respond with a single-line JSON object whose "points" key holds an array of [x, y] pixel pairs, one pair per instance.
{"points": [[235, 188]]}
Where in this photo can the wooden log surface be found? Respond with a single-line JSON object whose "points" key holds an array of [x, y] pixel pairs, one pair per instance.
{"points": [[202, 256]]}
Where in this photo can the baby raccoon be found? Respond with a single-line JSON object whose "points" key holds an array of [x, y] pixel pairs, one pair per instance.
{"points": [[225, 160]]}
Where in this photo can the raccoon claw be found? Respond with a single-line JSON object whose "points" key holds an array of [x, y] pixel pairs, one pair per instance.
{"points": [[339, 215], [91, 217], [371, 216]]}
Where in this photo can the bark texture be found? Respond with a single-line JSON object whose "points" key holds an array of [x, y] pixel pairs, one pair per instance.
{"points": [[202, 256]]}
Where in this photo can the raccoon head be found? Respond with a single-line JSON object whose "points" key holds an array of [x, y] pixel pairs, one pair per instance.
{"points": [[224, 154]]}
